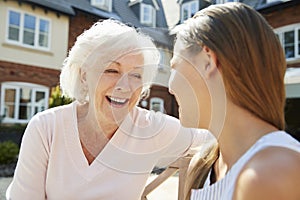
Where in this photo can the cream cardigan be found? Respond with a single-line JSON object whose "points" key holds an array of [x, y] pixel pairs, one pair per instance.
{"points": [[52, 164]]}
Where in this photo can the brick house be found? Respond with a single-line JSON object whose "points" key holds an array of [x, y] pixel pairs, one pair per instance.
{"points": [[38, 34], [284, 17]]}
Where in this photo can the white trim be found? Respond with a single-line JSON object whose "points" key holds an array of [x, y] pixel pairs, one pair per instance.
{"points": [[34, 88], [271, 1], [133, 2], [21, 30], [225, 1], [103, 5], [188, 6], [292, 27], [155, 4], [159, 101], [292, 76], [152, 15]]}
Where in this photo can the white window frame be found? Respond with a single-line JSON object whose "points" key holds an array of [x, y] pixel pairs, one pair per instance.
{"points": [[21, 30], [280, 32], [162, 62], [33, 104], [102, 4], [188, 5], [152, 17], [225, 1], [158, 100], [270, 1]]}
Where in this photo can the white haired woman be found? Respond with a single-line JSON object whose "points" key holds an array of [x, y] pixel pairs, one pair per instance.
{"points": [[101, 146]]}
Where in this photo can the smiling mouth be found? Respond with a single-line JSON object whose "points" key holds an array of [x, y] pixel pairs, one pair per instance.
{"points": [[117, 101]]}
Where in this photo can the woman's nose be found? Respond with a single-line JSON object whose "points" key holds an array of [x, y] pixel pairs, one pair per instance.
{"points": [[123, 84]]}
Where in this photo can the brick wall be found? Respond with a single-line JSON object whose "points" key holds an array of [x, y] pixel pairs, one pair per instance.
{"points": [[78, 24], [170, 104], [31, 74], [284, 16]]}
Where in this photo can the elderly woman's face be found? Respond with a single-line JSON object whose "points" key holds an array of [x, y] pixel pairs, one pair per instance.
{"points": [[118, 87]]}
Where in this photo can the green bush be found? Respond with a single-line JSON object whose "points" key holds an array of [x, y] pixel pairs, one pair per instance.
{"points": [[8, 152], [57, 99]]}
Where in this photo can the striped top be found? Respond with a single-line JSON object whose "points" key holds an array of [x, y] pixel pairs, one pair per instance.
{"points": [[224, 188]]}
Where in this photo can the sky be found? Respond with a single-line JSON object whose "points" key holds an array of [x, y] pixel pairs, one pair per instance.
{"points": [[171, 11]]}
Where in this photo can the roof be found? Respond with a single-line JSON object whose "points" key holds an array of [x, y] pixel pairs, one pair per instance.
{"points": [[120, 11], [292, 76], [269, 7], [68, 7], [127, 14]]}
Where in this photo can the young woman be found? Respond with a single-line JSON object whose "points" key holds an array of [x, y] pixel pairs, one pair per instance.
{"points": [[231, 62], [101, 146]]}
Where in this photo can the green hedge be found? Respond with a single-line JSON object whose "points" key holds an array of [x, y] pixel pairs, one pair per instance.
{"points": [[8, 152]]}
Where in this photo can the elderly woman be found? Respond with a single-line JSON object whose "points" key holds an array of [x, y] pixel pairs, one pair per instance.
{"points": [[230, 58], [101, 146]]}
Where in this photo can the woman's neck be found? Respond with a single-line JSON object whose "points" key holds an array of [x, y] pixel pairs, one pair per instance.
{"points": [[241, 130]]}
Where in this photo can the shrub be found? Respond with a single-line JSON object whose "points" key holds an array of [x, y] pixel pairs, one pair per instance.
{"points": [[57, 99], [8, 152]]}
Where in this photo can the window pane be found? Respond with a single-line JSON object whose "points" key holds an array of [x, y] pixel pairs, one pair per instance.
{"points": [[9, 103], [29, 28], [289, 44], [185, 13], [194, 9], [43, 40], [44, 32], [147, 14], [25, 103], [14, 26], [39, 102], [13, 33], [28, 38], [156, 106], [299, 42], [14, 18], [29, 22], [44, 26]]}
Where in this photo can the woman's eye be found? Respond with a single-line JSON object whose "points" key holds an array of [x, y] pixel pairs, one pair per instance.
{"points": [[111, 71], [136, 75]]}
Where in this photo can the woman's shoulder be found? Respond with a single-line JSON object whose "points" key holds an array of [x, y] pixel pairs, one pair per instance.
{"points": [[153, 115], [273, 173], [53, 113]]}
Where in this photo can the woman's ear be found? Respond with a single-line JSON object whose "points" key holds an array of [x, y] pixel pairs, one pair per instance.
{"points": [[211, 66]]}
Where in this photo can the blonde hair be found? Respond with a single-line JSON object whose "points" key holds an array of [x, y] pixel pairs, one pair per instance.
{"points": [[104, 42], [251, 61]]}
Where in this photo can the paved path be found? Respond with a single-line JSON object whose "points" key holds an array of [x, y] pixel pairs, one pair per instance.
{"points": [[166, 191], [4, 182]]}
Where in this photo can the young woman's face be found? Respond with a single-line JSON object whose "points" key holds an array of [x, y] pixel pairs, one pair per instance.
{"points": [[115, 89], [189, 87]]}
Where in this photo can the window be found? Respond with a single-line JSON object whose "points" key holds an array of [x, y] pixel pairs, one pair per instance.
{"points": [[102, 4], [270, 1], [225, 1], [28, 30], [20, 101], [157, 104], [163, 61], [148, 15], [189, 9], [289, 37]]}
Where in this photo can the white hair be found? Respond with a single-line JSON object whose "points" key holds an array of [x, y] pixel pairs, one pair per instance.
{"points": [[104, 42]]}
